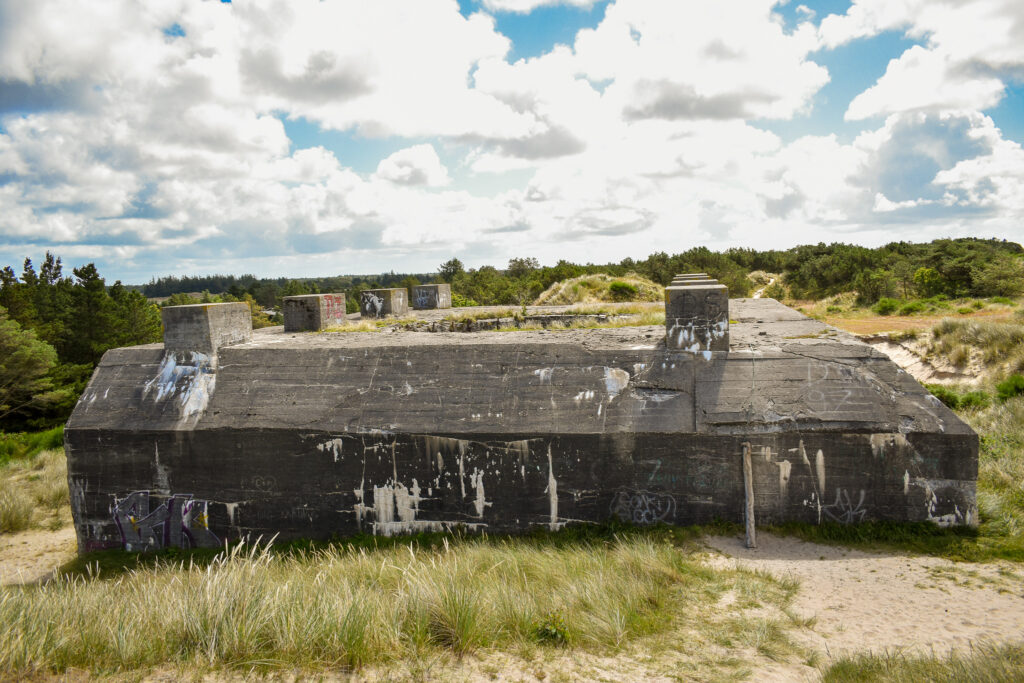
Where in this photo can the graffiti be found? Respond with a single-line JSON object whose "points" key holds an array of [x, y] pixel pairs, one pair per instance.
{"points": [[179, 522], [334, 306], [843, 510], [424, 298], [371, 304], [264, 483], [643, 507]]}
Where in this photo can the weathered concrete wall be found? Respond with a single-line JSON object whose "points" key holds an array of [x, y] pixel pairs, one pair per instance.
{"points": [[313, 312], [389, 437], [432, 296], [378, 303]]}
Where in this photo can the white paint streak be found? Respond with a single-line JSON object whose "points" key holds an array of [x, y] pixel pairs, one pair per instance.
{"points": [[552, 491], [819, 466], [333, 446], [785, 467], [476, 480]]}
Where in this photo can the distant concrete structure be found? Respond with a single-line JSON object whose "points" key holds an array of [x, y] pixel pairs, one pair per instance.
{"points": [[204, 328], [432, 296], [379, 303], [318, 435], [313, 312], [697, 317]]}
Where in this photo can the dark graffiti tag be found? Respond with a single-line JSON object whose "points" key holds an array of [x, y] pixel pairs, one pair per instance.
{"points": [[643, 507], [372, 305], [178, 522]]}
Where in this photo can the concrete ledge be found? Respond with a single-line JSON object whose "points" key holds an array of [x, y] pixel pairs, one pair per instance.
{"points": [[378, 303], [313, 312], [432, 296], [206, 327]]}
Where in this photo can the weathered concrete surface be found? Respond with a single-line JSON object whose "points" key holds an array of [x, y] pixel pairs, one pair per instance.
{"points": [[313, 312], [379, 303], [697, 317], [204, 328], [432, 296], [316, 435]]}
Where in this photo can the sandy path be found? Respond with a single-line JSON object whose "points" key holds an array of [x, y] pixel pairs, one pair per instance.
{"points": [[29, 556], [867, 601], [759, 293]]}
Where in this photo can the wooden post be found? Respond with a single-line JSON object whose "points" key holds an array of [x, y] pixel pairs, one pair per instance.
{"points": [[748, 486]]}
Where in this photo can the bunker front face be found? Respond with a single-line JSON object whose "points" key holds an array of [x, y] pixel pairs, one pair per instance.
{"points": [[324, 434]]}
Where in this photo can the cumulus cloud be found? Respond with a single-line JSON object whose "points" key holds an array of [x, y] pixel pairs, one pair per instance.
{"points": [[418, 165], [527, 6], [151, 132]]}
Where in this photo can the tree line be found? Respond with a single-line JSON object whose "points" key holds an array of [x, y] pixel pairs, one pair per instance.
{"points": [[55, 327]]}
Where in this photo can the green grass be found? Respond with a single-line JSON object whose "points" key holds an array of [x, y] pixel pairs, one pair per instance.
{"points": [[980, 664], [350, 605], [24, 445], [998, 345], [598, 287]]}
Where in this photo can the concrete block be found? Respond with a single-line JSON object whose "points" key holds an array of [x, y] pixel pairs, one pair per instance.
{"points": [[377, 303], [695, 276], [313, 312], [432, 296], [206, 327], [697, 317]]}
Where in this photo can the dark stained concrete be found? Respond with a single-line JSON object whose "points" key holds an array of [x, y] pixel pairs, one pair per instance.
{"points": [[312, 435]]}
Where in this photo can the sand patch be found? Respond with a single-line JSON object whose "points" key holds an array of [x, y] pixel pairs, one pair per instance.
{"points": [[30, 556], [867, 601]]}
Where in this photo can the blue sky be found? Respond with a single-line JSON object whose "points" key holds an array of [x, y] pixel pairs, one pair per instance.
{"points": [[301, 138]]}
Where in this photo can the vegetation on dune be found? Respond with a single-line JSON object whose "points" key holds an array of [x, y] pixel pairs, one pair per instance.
{"points": [[979, 664], [34, 492], [601, 288], [347, 606]]}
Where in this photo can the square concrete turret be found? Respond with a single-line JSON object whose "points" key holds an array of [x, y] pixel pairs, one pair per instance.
{"points": [[377, 303], [697, 317], [204, 328], [432, 296], [313, 312]]}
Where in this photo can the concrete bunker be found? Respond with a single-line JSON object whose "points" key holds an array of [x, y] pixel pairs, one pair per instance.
{"points": [[223, 433]]}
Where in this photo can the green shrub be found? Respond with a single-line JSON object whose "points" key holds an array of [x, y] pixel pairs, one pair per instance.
{"points": [[971, 400], [1002, 300], [551, 629], [964, 310], [834, 309], [23, 445], [622, 291], [886, 306], [948, 396], [1010, 387], [978, 305], [459, 301], [912, 307]]}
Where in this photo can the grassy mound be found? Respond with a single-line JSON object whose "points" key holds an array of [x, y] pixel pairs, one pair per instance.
{"points": [[601, 288]]}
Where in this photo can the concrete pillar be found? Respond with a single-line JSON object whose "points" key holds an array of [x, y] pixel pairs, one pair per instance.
{"points": [[697, 317], [206, 327], [377, 303], [432, 296], [313, 312]]}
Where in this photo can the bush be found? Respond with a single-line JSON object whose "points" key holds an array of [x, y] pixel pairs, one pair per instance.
{"points": [[978, 305], [622, 291], [1010, 387], [971, 400], [23, 445], [912, 307], [886, 306], [459, 301], [775, 290], [1002, 300], [964, 310]]}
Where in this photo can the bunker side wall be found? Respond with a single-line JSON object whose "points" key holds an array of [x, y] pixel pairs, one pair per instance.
{"points": [[206, 486]]}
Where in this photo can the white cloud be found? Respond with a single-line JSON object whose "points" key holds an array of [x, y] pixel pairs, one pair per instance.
{"points": [[417, 165], [971, 49]]}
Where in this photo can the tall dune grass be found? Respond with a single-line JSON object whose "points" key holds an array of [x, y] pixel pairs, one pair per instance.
{"points": [[347, 607]]}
